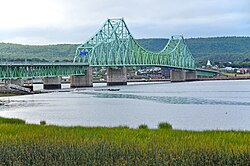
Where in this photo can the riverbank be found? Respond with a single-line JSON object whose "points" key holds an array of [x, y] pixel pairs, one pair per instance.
{"points": [[4, 92], [27, 144], [224, 78]]}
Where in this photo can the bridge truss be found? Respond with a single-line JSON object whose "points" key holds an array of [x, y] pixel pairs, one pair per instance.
{"points": [[114, 45], [12, 71]]}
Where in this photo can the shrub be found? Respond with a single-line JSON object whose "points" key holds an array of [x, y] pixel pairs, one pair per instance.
{"points": [[143, 126], [165, 125], [122, 127], [43, 122]]}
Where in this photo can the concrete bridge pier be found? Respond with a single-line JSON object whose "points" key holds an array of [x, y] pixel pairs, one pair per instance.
{"points": [[177, 75], [191, 75], [78, 81], [28, 83], [165, 73], [52, 82], [16, 81], [117, 76]]}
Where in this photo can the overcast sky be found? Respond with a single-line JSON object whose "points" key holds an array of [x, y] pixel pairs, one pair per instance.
{"points": [[74, 21]]}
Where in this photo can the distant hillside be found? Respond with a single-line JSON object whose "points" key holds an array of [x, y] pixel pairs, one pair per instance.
{"points": [[45, 52], [222, 49]]}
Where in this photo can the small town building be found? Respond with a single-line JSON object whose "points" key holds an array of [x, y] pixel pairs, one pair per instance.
{"points": [[243, 70]]}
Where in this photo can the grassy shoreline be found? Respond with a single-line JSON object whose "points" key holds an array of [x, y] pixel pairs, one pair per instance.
{"points": [[22, 144], [7, 94]]}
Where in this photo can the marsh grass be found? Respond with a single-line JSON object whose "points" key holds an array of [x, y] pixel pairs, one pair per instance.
{"points": [[11, 121], [6, 94], [52, 145]]}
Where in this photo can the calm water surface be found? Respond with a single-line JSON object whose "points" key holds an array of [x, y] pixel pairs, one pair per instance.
{"points": [[188, 105]]}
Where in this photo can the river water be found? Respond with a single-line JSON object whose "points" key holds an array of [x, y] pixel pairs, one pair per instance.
{"points": [[208, 105]]}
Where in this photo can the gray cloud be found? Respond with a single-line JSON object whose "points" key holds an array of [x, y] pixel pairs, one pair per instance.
{"points": [[145, 18]]}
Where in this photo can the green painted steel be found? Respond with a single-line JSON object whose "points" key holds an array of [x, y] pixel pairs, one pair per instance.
{"points": [[206, 73], [114, 45], [9, 71]]}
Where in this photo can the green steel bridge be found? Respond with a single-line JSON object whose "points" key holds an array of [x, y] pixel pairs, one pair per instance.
{"points": [[112, 46]]}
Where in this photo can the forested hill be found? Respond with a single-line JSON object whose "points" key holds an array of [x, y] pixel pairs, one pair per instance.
{"points": [[220, 49], [43, 52]]}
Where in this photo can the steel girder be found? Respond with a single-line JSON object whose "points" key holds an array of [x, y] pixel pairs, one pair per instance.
{"points": [[9, 71], [114, 45], [206, 73]]}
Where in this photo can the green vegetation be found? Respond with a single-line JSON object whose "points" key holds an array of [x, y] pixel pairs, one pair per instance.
{"points": [[165, 125], [154, 44], [143, 126], [6, 94], [216, 49], [220, 49], [11, 121], [245, 63], [43, 122], [235, 75], [18, 52], [23, 144]]}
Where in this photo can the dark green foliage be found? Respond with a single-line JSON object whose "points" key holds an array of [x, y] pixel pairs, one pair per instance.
{"points": [[165, 125], [143, 126], [43, 122], [221, 49], [123, 127], [153, 44], [11, 121], [240, 64]]}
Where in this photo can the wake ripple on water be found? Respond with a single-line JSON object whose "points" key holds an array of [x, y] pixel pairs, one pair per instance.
{"points": [[21, 103], [167, 99]]}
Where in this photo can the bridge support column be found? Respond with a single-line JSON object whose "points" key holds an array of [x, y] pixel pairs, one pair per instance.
{"points": [[18, 81], [78, 81], [165, 73], [177, 75], [191, 75], [52, 82], [28, 83], [117, 76]]}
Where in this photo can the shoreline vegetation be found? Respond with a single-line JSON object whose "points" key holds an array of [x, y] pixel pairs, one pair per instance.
{"points": [[29, 144]]}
